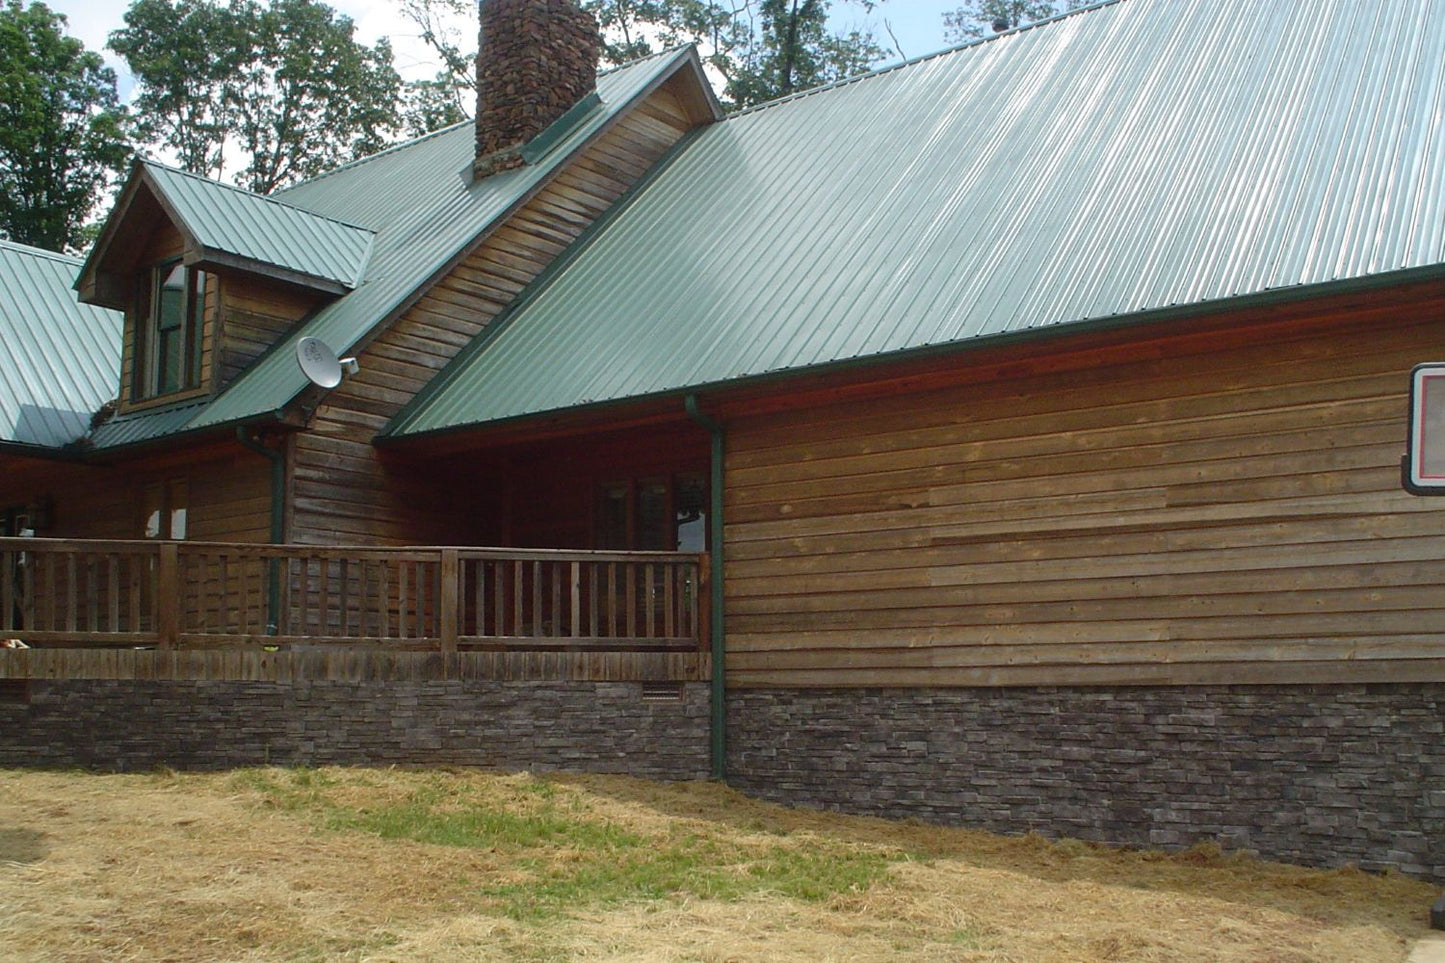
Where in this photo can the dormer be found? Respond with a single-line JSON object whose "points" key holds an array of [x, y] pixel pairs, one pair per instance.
{"points": [[208, 277]]}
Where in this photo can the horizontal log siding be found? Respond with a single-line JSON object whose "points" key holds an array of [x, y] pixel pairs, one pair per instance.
{"points": [[254, 314], [343, 492], [1196, 515]]}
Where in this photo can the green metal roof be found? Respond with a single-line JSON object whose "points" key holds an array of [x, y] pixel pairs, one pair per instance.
{"points": [[61, 357], [1125, 160], [425, 208], [221, 219]]}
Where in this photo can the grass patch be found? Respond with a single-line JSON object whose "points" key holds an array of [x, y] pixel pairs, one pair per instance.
{"points": [[560, 856], [398, 866]]}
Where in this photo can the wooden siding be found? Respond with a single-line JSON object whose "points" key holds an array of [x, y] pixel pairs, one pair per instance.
{"points": [[228, 494], [342, 490], [1224, 508], [254, 314]]}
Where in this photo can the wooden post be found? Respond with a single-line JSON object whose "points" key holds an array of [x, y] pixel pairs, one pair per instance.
{"points": [[450, 600], [168, 596]]}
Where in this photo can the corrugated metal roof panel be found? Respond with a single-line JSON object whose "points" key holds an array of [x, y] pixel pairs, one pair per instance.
{"points": [[1128, 158], [426, 207], [61, 357], [263, 229]]}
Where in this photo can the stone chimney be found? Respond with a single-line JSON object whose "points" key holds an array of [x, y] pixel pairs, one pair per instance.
{"points": [[537, 58]]}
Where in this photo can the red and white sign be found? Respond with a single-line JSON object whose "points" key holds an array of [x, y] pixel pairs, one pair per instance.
{"points": [[1425, 451]]}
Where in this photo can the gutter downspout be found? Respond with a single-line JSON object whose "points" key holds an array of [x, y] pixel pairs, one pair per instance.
{"points": [[278, 522], [715, 607]]}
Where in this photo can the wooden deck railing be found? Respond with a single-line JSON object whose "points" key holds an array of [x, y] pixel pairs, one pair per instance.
{"points": [[56, 592]]}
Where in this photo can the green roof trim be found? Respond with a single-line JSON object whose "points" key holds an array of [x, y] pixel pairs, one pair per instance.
{"points": [[551, 138], [62, 358], [1138, 160]]}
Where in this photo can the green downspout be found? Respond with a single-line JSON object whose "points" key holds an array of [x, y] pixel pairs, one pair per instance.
{"points": [[278, 522], [715, 537]]}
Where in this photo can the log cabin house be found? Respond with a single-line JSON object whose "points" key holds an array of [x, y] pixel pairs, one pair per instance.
{"points": [[1016, 431]]}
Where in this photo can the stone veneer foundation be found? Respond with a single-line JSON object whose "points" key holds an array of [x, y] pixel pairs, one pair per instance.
{"points": [[1319, 775], [605, 727]]}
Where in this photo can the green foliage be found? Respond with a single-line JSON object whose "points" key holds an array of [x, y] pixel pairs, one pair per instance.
{"points": [[560, 856], [61, 129], [284, 84], [761, 49], [978, 18], [431, 105]]}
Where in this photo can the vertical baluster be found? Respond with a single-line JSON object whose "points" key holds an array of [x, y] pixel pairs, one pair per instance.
{"points": [[631, 600], [669, 623], [92, 594], [383, 597], [481, 596], [52, 622], [303, 593], [554, 617], [344, 596], [72, 593], [594, 602], [649, 580], [29, 578], [518, 619], [401, 580], [576, 627], [612, 614], [536, 598], [136, 564], [499, 598], [112, 594], [223, 594], [323, 603]]}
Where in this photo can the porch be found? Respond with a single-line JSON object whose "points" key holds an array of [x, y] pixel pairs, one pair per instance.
{"points": [[181, 609]]}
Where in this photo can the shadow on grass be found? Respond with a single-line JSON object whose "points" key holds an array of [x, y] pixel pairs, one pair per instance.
{"points": [[18, 845]]}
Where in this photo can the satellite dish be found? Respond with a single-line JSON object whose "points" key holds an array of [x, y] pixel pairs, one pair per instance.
{"points": [[320, 365]]}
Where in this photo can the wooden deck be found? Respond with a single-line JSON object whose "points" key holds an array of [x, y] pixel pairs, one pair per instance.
{"points": [[160, 609]]}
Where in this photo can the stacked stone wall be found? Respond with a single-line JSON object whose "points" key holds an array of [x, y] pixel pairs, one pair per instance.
{"points": [[581, 727], [1318, 775]]}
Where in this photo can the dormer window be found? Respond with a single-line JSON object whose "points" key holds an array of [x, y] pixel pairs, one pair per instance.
{"points": [[168, 327]]}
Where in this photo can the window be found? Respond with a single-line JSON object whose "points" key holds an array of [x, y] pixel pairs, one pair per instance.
{"points": [[168, 327], [654, 514], [163, 509]]}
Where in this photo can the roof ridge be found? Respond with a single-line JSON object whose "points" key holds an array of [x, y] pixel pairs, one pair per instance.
{"points": [[409, 142], [945, 52], [413, 141], [260, 197], [34, 251]]}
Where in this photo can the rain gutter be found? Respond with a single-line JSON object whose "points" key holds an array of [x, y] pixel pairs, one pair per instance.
{"points": [[715, 606]]}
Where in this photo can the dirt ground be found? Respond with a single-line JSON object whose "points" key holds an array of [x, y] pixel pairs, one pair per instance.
{"points": [[391, 865]]}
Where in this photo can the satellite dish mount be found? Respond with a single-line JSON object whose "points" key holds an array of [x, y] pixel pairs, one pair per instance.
{"points": [[320, 364]]}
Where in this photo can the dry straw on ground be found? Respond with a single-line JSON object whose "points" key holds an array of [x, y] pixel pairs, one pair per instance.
{"points": [[383, 865]]}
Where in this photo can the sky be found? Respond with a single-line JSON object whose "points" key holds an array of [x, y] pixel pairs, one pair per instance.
{"points": [[917, 25]]}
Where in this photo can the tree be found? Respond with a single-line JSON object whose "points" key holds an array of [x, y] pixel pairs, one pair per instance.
{"points": [[790, 50], [61, 129], [284, 85], [761, 49], [977, 18]]}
